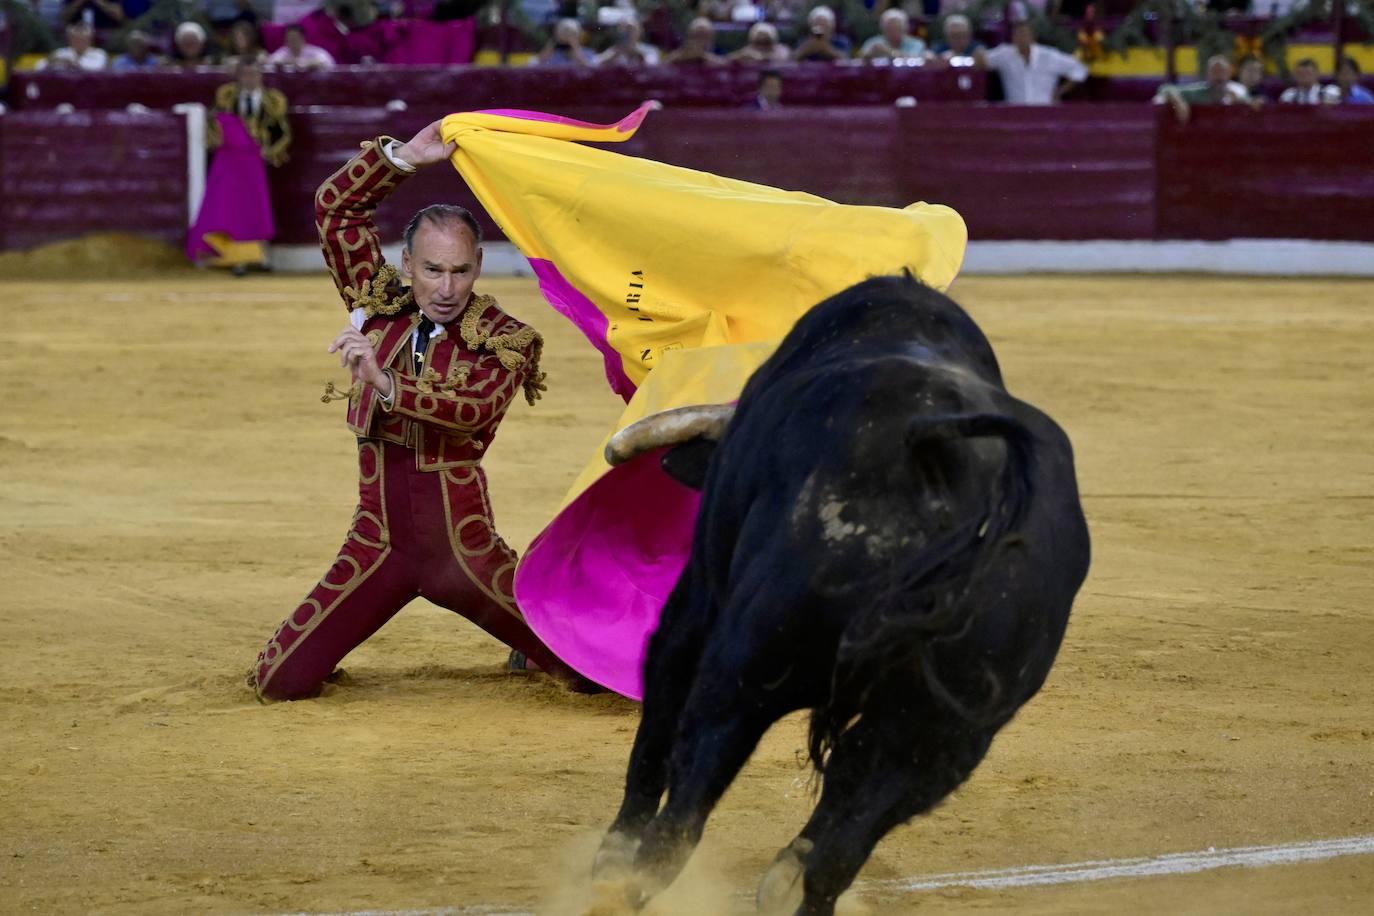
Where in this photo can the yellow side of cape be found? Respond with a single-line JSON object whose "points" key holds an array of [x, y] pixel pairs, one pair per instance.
{"points": [[675, 258]]}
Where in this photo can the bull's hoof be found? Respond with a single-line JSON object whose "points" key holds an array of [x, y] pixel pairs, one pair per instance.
{"points": [[616, 858], [781, 889], [618, 897]]}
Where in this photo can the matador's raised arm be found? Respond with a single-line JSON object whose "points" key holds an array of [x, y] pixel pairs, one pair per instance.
{"points": [[343, 216]]}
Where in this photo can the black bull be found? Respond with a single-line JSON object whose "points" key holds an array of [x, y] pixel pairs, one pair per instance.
{"points": [[886, 537]]}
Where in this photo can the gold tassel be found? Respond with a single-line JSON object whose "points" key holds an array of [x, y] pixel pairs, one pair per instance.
{"points": [[332, 392], [535, 378], [425, 382], [457, 377]]}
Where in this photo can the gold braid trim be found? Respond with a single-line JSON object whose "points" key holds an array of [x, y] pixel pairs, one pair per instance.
{"points": [[507, 347], [377, 295]]}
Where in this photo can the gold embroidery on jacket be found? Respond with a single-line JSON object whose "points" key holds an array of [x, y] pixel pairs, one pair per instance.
{"points": [[377, 295], [507, 347]]}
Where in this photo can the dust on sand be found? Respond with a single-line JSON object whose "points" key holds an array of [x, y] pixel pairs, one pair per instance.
{"points": [[173, 486]]}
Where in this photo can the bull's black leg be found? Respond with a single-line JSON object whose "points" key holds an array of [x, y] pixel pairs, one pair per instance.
{"points": [[674, 651], [719, 730], [881, 774]]}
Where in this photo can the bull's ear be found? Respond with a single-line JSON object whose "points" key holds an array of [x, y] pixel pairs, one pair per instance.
{"points": [[687, 463]]}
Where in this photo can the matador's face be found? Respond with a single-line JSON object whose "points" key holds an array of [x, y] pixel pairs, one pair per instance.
{"points": [[443, 263]]}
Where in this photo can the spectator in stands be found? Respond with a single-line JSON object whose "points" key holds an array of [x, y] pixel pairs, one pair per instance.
{"points": [[138, 54], [769, 95], [564, 47], [80, 52], [894, 38], [1250, 74], [1348, 82], [1307, 88], [956, 47], [762, 46], [697, 47], [629, 50], [104, 14], [822, 44], [189, 47], [49, 12], [1217, 89], [245, 44], [720, 10], [1032, 73], [295, 54], [228, 12]]}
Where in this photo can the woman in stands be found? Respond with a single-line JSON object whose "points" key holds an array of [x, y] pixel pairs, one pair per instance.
{"points": [[245, 44]]}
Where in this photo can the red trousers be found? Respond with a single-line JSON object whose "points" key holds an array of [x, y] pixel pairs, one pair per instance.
{"points": [[415, 534]]}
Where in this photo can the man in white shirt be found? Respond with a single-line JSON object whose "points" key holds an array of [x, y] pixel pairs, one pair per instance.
{"points": [[1033, 74], [628, 50], [1307, 88], [80, 53], [295, 54]]}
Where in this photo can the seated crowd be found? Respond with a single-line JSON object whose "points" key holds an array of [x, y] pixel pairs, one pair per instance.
{"points": [[1244, 85], [1029, 72]]}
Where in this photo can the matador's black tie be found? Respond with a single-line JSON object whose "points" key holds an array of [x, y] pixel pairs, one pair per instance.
{"points": [[422, 333]]}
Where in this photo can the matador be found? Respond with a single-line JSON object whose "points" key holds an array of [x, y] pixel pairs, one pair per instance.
{"points": [[434, 368]]}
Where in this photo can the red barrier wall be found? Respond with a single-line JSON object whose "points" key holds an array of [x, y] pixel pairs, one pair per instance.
{"points": [[1085, 172], [1071, 172], [439, 91], [91, 171], [1304, 172]]}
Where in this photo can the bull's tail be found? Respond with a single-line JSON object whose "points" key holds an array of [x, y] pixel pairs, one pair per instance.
{"points": [[923, 604]]}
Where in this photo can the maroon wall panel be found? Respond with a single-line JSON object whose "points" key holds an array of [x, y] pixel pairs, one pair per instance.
{"points": [[97, 171], [439, 91], [1300, 172], [1070, 172], [1073, 172], [1012, 173]]}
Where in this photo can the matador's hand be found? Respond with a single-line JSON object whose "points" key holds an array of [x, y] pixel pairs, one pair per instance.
{"points": [[427, 147], [356, 353]]}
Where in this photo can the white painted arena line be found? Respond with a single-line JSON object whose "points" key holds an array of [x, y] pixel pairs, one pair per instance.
{"points": [[476, 910], [1176, 863]]}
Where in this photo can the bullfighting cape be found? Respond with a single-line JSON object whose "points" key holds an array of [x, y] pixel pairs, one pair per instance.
{"points": [[685, 281]]}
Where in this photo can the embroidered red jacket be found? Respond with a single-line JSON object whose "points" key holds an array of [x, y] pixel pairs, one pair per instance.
{"points": [[479, 362]]}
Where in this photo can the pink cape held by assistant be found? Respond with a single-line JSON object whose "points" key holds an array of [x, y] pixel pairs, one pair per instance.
{"points": [[236, 207], [684, 281]]}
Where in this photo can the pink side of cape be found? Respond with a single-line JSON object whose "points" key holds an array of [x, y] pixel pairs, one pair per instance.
{"points": [[236, 199], [569, 302], [625, 125], [593, 584]]}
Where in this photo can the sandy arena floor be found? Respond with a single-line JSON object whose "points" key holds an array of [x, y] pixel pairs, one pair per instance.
{"points": [[172, 486]]}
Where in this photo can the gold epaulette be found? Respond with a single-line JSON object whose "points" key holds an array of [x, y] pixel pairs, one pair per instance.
{"points": [[507, 347], [375, 294]]}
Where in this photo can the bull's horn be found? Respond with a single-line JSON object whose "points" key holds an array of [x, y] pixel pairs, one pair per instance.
{"points": [[668, 427]]}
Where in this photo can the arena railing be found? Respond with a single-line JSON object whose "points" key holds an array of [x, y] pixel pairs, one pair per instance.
{"points": [[1112, 171]]}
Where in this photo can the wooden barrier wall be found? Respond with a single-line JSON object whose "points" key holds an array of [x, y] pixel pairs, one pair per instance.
{"points": [[441, 90], [1071, 172], [63, 176]]}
